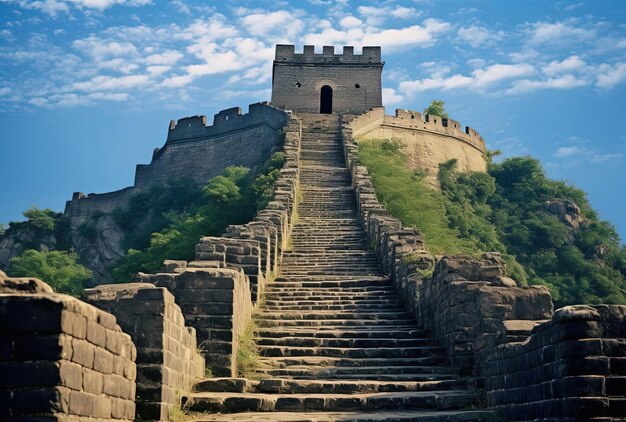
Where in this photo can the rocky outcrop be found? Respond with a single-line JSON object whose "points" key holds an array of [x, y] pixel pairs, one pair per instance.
{"points": [[15, 241], [103, 251], [567, 211]]}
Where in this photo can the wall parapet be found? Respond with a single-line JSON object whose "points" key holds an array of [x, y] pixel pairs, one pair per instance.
{"points": [[572, 367], [168, 363], [369, 56], [416, 121], [61, 358]]}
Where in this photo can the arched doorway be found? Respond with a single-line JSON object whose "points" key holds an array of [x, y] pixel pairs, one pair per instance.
{"points": [[326, 100]]}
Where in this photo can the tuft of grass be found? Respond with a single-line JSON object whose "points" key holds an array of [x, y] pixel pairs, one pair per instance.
{"points": [[247, 353], [407, 197]]}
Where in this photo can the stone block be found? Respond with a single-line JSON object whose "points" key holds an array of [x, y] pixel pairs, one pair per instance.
{"points": [[83, 352], [81, 403], [45, 347]]}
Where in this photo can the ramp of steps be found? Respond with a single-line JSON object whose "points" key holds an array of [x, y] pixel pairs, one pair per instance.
{"points": [[334, 340]]}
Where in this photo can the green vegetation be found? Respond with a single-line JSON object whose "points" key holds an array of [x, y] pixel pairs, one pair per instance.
{"points": [[41, 219], [406, 196], [247, 353], [436, 108], [59, 269], [507, 210], [173, 225]]}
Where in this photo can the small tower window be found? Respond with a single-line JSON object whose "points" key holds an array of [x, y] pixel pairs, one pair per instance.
{"points": [[357, 86], [298, 84]]}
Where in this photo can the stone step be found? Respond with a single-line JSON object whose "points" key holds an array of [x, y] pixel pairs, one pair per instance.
{"points": [[337, 323], [357, 416], [358, 374], [334, 307], [286, 386], [356, 283], [341, 352], [360, 333], [348, 343], [414, 365], [250, 402], [332, 315], [290, 386]]}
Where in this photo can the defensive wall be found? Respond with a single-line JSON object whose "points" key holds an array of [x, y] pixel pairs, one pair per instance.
{"points": [[134, 350], [429, 140], [533, 363], [354, 79], [196, 152]]}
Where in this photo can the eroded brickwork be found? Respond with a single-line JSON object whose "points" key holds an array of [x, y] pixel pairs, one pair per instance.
{"points": [[61, 358], [168, 358]]}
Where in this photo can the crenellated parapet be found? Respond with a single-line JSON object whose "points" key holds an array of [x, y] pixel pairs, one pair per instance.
{"points": [[287, 53], [327, 82], [430, 140]]}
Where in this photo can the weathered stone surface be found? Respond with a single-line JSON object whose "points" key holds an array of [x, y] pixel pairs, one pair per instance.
{"points": [[15, 285], [57, 363], [167, 350]]}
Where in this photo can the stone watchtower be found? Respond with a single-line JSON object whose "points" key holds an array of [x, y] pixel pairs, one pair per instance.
{"points": [[328, 82]]}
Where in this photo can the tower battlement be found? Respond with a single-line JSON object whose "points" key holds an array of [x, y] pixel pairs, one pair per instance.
{"points": [[369, 55], [326, 82]]}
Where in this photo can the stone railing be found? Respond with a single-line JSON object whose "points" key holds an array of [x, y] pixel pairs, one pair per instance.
{"points": [[469, 306], [571, 368], [168, 361], [216, 302], [532, 368], [61, 358]]}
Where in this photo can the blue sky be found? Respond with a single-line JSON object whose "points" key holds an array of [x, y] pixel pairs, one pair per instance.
{"points": [[87, 87]]}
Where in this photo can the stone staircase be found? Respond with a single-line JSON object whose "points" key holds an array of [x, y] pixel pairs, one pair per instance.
{"points": [[334, 339]]}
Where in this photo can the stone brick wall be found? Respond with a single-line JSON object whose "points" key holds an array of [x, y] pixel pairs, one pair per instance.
{"points": [[429, 140], [216, 303], [469, 305], [61, 358], [168, 360], [355, 79], [571, 368], [216, 291], [198, 152]]}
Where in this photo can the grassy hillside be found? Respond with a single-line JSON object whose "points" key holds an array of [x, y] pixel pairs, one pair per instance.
{"points": [[546, 229]]}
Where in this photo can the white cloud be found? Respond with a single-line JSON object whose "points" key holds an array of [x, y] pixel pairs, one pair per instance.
{"points": [[561, 82], [266, 23], [575, 155], [564, 152], [611, 75], [390, 96], [53, 7], [603, 158], [178, 81], [158, 70], [350, 22], [108, 83], [376, 16], [168, 57], [499, 72], [570, 64], [479, 80], [110, 96], [477, 36], [557, 33], [100, 49]]}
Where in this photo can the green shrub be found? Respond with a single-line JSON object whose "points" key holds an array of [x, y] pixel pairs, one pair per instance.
{"points": [[505, 210], [60, 269]]}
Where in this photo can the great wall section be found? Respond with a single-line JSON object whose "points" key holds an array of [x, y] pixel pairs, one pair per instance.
{"points": [[349, 328]]}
